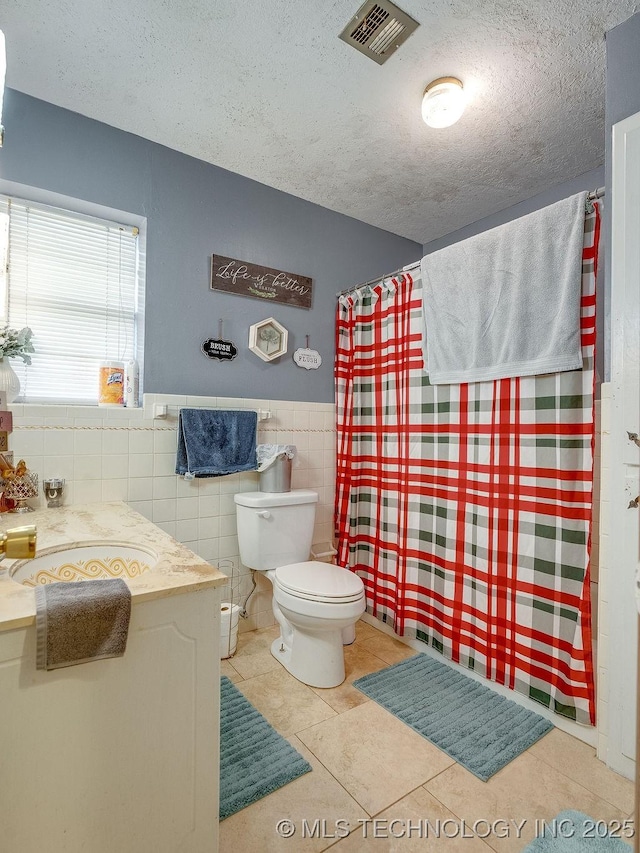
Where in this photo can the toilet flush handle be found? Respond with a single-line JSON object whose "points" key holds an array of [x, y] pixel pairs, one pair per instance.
{"points": [[264, 513]]}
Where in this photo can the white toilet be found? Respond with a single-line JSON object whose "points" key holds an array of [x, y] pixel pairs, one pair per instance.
{"points": [[314, 603]]}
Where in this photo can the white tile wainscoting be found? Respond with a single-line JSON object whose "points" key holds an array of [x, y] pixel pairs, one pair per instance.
{"points": [[119, 454], [125, 454]]}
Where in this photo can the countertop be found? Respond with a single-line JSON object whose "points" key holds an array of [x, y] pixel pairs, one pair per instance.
{"points": [[177, 571]]}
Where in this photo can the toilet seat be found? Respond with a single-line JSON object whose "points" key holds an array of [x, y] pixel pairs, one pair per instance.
{"points": [[322, 582]]}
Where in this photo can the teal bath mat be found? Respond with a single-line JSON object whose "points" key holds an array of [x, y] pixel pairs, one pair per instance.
{"points": [[575, 832], [254, 759], [470, 722]]}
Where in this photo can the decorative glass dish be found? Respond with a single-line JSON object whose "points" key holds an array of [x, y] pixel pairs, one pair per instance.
{"points": [[20, 489]]}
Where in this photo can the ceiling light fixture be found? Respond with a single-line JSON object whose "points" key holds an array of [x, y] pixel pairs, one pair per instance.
{"points": [[443, 102], [3, 71]]}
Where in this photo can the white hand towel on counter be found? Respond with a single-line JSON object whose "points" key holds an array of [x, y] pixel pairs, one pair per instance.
{"points": [[506, 302]]}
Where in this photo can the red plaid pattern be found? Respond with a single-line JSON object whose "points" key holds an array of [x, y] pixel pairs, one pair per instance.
{"points": [[466, 509]]}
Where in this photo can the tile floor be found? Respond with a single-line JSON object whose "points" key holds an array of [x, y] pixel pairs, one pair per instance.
{"points": [[377, 779]]}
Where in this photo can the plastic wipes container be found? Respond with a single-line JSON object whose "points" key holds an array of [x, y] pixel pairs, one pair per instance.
{"points": [[274, 466]]}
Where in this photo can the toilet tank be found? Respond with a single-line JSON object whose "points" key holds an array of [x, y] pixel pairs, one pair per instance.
{"points": [[275, 528]]}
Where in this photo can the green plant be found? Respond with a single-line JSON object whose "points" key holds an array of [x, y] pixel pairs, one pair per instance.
{"points": [[16, 344]]}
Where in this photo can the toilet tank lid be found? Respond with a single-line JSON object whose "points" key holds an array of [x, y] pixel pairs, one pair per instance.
{"points": [[266, 499]]}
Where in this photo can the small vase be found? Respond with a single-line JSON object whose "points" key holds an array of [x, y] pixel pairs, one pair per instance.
{"points": [[9, 382]]}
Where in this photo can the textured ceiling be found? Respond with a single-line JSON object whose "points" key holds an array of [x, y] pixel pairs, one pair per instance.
{"points": [[267, 89]]}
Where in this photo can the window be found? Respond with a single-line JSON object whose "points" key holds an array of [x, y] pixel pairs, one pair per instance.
{"points": [[74, 280]]}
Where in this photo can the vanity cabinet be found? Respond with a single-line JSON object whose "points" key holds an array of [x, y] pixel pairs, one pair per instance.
{"points": [[119, 754]]}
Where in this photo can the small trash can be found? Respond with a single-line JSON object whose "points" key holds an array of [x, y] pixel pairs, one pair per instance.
{"points": [[274, 466], [276, 477]]}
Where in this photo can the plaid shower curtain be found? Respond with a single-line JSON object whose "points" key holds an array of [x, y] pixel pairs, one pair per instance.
{"points": [[466, 509]]}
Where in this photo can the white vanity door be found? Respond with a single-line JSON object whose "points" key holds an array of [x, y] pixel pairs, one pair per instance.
{"points": [[120, 754]]}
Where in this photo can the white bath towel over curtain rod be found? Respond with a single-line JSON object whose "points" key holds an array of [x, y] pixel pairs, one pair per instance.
{"points": [[506, 302]]}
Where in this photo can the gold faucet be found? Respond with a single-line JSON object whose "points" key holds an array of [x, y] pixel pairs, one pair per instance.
{"points": [[18, 543]]}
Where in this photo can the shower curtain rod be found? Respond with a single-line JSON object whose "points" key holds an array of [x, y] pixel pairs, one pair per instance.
{"points": [[591, 196], [408, 268]]}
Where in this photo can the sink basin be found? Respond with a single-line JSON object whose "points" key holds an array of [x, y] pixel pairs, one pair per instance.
{"points": [[85, 562]]}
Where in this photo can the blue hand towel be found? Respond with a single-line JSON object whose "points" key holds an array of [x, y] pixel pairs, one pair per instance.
{"points": [[213, 442]]}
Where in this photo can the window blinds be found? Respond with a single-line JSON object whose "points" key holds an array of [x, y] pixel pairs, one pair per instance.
{"points": [[73, 280]]}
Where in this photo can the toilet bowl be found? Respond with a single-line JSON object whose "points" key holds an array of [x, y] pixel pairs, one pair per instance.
{"points": [[315, 604], [319, 601]]}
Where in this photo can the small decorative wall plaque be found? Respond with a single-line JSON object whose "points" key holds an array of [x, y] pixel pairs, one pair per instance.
{"points": [[222, 350], [310, 359], [219, 348], [258, 282]]}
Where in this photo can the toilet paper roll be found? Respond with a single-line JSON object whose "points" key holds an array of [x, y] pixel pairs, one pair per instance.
{"points": [[229, 614]]}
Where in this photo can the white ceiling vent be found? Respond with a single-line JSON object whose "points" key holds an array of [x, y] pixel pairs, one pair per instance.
{"points": [[378, 29]]}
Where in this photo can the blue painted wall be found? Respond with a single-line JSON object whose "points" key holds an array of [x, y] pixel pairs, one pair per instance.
{"points": [[622, 100], [193, 210], [623, 74]]}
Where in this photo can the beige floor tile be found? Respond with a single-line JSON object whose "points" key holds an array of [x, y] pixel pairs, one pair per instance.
{"points": [[226, 668], [253, 656], [252, 641], [376, 757], [387, 648], [287, 704], [416, 822], [316, 796], [526, 789], [363, 630], [578, 761], [357, 662]]}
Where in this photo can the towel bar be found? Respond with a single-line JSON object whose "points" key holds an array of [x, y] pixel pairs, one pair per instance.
{"points": [[161, 411]]}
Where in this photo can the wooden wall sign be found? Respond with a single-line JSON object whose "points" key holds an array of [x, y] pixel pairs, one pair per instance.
{"points": [[246, 279]]}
